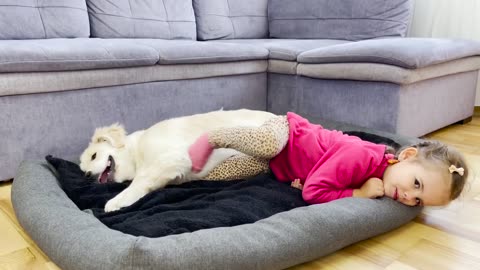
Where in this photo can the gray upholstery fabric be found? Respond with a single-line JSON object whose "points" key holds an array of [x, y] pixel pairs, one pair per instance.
{"points": [[285, 49], [72, 54], [403, 52], [41, 82], [61, 123], [81, 242], [345, 19], [32, 19], [193, 52], [165, 19], [366, 104], [228, 19], [384, 72], [443, 101], [53, 206], [282, 67]]}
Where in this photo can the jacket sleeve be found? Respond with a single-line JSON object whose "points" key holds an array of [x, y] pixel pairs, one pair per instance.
{"points": [[334, 178]]}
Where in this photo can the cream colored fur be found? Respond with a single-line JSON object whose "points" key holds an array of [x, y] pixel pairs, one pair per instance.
{"points": [[158, 156]]}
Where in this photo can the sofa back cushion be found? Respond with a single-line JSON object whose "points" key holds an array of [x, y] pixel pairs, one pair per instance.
{"points": [[163, 19], [339, 19], [231, 19], [39, 19]]}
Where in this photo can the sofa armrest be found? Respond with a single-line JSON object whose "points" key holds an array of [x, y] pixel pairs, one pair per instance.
{"points": [[409, 53]]}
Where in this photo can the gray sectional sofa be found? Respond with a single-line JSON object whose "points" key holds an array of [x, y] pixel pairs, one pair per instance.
{"points": [[68, 66]]}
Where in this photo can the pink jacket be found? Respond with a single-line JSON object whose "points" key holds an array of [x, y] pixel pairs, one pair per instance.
{"points": [[328, 163]]}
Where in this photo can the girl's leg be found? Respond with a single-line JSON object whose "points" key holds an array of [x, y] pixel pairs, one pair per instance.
{"points": [[264, 142], [239, 166]]}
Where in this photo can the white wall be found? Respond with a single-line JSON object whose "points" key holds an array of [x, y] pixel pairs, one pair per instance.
{"points": [[447, 19]]}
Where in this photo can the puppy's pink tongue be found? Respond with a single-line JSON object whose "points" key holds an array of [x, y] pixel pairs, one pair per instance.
{"points": [[104, 177]]}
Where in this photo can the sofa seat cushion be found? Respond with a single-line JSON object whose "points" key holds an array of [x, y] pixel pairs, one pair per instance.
{"points": [[410, 53], [286, 49], [197, 52], [72, 54], [382, 72], [164, 19], [34, 19]]}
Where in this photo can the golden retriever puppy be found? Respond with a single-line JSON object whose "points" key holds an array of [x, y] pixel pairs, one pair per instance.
{"points": [[157, 156]]}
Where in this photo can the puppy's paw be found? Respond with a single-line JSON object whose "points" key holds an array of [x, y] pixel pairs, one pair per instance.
{"points": [[125, 198], [113, 205]]}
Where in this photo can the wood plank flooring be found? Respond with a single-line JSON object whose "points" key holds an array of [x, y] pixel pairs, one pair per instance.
{"points": [[440, 238]]}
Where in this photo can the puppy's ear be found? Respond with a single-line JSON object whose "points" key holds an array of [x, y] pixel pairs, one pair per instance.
{"points": [[115, 135]]}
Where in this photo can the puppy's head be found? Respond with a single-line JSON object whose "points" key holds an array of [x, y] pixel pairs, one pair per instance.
{"points": [[105, 157]]}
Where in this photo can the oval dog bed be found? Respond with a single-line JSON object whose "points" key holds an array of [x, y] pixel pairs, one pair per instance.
{"points": [[76, 239]]}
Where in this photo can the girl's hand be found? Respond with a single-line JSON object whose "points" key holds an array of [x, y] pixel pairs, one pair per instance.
{"points": [[372, 188], [297, 184]]}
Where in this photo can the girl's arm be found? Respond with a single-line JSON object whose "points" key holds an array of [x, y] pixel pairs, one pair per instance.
{"points": [[336, 177]]}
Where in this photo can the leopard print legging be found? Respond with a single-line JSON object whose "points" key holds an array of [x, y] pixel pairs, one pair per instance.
{"points": [[259, 145]]}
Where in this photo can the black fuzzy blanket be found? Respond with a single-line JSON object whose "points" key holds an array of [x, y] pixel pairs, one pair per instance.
{"points": [[184, 208]]}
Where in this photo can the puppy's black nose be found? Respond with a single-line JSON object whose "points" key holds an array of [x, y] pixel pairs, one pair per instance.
{"points": [[88, 174]]}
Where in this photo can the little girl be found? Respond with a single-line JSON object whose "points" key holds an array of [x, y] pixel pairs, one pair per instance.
{"points": [[329, 165]]}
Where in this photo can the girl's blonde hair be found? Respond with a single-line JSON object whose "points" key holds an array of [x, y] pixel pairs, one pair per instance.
{"points": [[431, 150]]}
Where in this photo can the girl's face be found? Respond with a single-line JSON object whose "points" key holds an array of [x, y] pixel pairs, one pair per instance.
{"points": [[412, 182]]}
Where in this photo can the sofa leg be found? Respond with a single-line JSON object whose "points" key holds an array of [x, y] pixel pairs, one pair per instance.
{"points": [[465, 121]]}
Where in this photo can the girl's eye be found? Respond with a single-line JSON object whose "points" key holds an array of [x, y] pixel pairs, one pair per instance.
{"points": [[418, 201], [94, 156], [417, 184]]}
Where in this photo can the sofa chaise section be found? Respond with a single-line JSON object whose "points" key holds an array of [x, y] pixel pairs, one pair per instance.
{"points": [[410, 86]]}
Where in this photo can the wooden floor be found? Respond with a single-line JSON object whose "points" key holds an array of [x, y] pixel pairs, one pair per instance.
{"points": [[441, 238]]}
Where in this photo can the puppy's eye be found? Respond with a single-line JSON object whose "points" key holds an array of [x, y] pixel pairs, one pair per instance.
{"points": [[94, 156]]}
